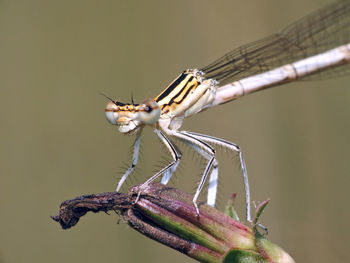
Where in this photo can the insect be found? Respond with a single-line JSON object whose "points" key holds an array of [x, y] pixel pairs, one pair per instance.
{"points": [[312, 46]]}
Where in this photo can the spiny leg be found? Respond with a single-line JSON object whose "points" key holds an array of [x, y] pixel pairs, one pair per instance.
{"points": [[135, 158], [213, 178], [206, 147], [176, 159], [169, 172], [235, 148]]}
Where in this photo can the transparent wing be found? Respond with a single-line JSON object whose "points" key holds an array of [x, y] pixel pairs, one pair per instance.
{"points": [[322, 30]]}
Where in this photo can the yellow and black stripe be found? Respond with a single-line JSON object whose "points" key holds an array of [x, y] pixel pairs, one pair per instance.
{"points": [[178, 90]]}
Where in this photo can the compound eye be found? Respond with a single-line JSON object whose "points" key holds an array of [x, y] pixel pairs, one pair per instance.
{"points": [[148, 109], [111, 112], [149, 112]]}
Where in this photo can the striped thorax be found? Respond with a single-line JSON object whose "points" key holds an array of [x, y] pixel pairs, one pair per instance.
{"points": [[187, 95]]}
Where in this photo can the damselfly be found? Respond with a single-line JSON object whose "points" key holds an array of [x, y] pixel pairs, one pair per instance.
{"points": [[316, 45]]}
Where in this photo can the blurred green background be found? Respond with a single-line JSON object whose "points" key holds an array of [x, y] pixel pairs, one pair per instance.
{"points": [[55, 56]]}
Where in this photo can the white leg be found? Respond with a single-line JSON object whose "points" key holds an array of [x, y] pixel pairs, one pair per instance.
{"points": [[168, 173], [213, 179], [205, 147], [233, 147], [135, 158], [174, 153]]}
